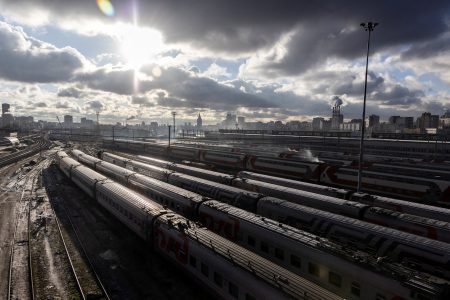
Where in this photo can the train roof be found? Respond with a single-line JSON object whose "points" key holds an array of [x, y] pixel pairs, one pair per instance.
{"points": [[410, 218], [286, 180], [439, 248], [147, 181], [306, 194], [115, 156], [215, 184], [86, 171], [363, 259], [133, 199], [115, 169], [431, 210], [272, 274], [203, 171]]}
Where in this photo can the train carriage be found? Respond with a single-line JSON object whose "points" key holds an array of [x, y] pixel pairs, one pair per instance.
{"points": [[224, 159], [284, 168]]}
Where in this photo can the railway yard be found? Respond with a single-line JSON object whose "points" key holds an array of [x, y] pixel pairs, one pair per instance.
{"points": [[139, 220]]}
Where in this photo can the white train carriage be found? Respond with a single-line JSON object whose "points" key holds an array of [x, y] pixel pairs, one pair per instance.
{"points": [[295, 184], [224, 159], [409, 187], [84, 158], [115, 159], [202, 173], [227, 269], [114, 172], [131, 209], [326, 203], [285, 168], [170, 196], [418, 209], [417, 252], [151, 171], [317, 259], [86, 178], [154, 162], [64, 163], [228, 194], [235, 272]]}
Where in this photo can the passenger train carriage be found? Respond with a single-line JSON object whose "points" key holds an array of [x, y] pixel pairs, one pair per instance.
{"points": [[397, 185], [380, 237], [422, 223], [228, 270], [305, 254], [409, 187]]}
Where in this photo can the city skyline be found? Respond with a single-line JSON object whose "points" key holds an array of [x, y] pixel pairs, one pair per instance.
{"points": [[289, 64]]}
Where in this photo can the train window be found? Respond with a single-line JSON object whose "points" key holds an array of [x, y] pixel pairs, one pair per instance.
{"points": [[296, 261], [249, 297], [264, 247], [193, 261], [380, 297], [279, 253], [233, 290], [313, 269], [251, 241], [335, 279], [218, 279], [356, 289], [204, 269]]}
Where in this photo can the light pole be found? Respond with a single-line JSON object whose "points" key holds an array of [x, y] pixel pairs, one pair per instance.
{"points": [[369, 27], [174, 113]]}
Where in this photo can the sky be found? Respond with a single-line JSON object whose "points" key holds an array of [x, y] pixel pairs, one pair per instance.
{"points": [[265, 60]]}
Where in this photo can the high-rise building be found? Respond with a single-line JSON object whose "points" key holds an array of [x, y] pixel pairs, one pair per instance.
{"points": [[374, 120], [409, 122], [199, 122], [317, 123], [434, 121], [68, 120], [5, 108], [393, 119], [241, 122], [230, 121]]}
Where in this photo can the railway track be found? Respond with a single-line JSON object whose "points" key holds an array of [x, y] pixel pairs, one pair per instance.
{"points": [[88, 282], [19, 155], [20, 274]]}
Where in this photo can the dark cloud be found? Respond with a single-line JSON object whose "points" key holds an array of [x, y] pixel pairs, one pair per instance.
{"points": [[352, 85], [26, 59], [320, 29], [71, 92], [398, 95], [142, 100], [62, 104], [40, 104], [428, 48], [94, 105], [115, 80], [184, 88]]}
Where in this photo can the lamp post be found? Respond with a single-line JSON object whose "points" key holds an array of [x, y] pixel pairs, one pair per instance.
{"points": [[369, 27]]}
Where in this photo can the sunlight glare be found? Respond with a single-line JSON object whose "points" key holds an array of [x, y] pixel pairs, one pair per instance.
{"points": [[140, 45]]}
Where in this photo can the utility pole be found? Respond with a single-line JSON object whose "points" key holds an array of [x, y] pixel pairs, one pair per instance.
{"points": [[369, 27], [174, 113], [169, 135]]}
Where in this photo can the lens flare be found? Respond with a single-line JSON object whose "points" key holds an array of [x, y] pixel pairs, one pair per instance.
{"points": [[106, 7]]}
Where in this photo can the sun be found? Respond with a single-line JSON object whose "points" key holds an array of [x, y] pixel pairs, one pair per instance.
{"points": [[139, 45]]}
